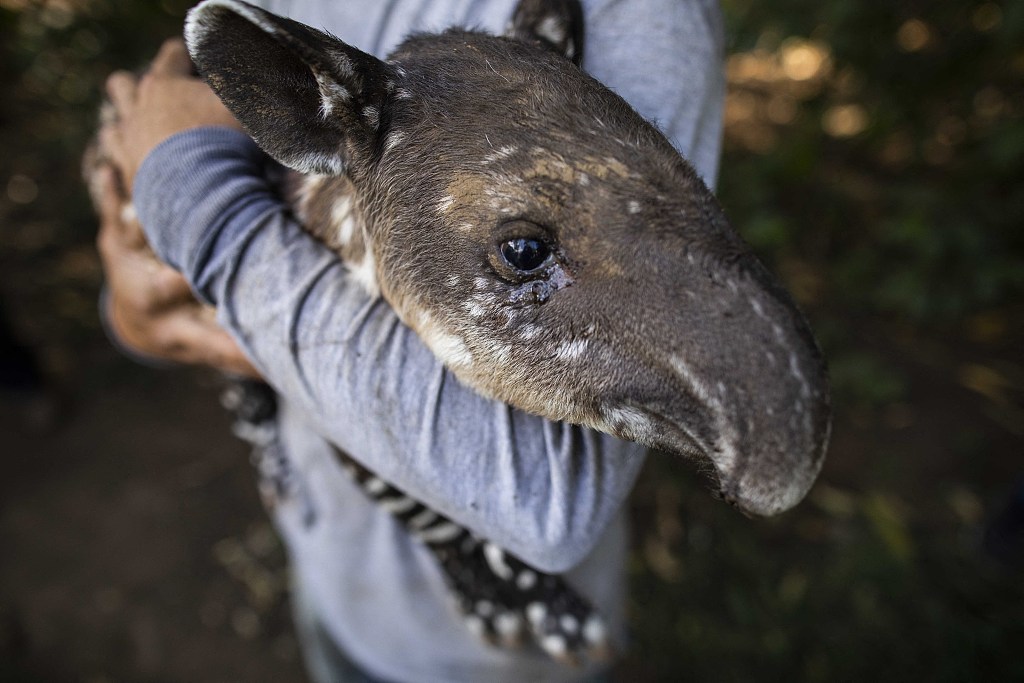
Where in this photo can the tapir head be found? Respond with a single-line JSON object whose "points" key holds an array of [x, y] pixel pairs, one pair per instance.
{"points": [[547, 243]]}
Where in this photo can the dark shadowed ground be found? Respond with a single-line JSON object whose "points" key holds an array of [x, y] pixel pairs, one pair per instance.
{"points": [[873, 158]]}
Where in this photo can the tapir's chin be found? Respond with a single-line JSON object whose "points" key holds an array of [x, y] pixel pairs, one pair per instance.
{"points": [[760, 478]]}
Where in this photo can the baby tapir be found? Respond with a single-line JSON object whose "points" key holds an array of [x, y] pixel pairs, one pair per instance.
{"points": [[549, 245]]}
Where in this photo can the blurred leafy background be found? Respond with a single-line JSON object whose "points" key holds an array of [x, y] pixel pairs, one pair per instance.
{"points": [[874, 157]]}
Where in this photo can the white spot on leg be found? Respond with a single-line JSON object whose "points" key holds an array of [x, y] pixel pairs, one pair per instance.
{"points": [[423, 519], [508, 625], [526, 580], [440, 533], [554, 645], [536, 613], [569, 624], [397, 506], [476, 626], [594, 631], [495, 557]]}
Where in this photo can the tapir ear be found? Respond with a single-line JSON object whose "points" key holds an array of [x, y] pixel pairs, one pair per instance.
{"points": [[556, 24], [309, 100]]}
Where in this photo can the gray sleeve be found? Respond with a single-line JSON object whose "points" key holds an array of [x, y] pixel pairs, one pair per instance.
{"points": [[546, 491]]}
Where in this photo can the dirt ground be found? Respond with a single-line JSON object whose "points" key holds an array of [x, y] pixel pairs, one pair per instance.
{"points": [[134, 547]]}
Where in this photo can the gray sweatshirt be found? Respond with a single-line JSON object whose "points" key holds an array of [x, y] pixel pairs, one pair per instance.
{"points": [[349, 373]]}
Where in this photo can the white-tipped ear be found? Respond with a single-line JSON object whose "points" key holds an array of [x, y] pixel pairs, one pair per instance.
{"points": [[301, 93]]}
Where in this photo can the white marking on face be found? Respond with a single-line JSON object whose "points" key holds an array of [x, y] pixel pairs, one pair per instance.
{"points": [[571, 350], [499, 154], [633, 206], [449, 349], [393, 140], [630, 422], [528, 332], [495, 557], [728, 439], [583, 180], [445, 204], [365, 273], [372, 116], [475, 309]]}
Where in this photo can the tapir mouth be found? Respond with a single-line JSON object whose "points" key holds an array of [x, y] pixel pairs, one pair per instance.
{"points": [[759, 479], [731, 378]]}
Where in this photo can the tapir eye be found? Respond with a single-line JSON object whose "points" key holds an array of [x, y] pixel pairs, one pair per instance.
{"points": [[525, 254]]}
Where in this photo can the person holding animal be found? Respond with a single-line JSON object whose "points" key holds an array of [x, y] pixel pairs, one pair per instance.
{"points": [[371, 603]]}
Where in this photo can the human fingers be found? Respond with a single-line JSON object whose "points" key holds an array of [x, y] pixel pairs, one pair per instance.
{"points": [[193, 336], [117, 215], [122, 87], [222, 351], [172, 59]]}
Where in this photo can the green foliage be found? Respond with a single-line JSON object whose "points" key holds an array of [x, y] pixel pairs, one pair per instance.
{"points": [[917, 214]]}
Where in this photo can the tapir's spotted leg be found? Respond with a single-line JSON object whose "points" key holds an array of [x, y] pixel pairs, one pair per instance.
{"points": [[503, 599]]}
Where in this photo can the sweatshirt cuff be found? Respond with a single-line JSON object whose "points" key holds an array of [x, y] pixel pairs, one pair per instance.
{"points": [[190, 187]]}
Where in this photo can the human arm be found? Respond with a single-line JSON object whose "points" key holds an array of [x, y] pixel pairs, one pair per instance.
{"points": [[543, 490], [147, 307]]}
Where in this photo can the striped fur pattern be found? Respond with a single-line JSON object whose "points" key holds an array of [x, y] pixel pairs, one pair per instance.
{"points": [[503, 600]]}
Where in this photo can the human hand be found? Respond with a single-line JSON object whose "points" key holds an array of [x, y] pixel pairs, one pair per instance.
{"points": [[151, 309], [166, 100]]}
